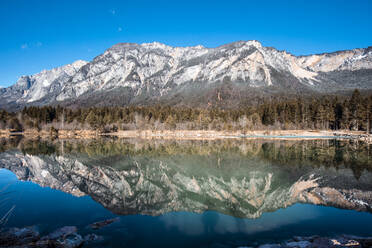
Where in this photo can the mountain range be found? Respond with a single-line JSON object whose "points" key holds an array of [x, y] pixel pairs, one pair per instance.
{"points": [[154, 73]]}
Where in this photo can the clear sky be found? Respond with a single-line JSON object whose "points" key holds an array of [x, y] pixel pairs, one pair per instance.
{"points": [[37, 35]]}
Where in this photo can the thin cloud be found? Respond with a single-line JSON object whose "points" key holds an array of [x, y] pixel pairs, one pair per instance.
{"points": [[31, 45]]}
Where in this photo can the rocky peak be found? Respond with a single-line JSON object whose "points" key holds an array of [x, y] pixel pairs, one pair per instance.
{"points": [[155, 70]]}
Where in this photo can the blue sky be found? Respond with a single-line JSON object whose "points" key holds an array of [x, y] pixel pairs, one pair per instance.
{"points": [[37, 35]]}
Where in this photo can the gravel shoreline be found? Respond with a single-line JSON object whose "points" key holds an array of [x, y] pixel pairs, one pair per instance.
{"points": [[197, 134]]}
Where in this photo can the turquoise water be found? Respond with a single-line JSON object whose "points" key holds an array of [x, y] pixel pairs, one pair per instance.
{"points": [[208, 197]]}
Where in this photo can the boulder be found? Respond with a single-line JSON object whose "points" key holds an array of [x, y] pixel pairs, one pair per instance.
{"points": [[73, 240], [364, 241], [18, 236], [60, 233]]}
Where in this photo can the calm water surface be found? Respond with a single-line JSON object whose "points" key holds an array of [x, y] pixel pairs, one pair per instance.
{"points": [[189, 193]]}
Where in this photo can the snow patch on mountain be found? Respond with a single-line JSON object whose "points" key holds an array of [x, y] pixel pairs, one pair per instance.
{"points": [[355, 59], [40, 84], [159, 68]]}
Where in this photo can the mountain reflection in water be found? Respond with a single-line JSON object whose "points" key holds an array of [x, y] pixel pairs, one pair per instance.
{"points": [[240, 178]]}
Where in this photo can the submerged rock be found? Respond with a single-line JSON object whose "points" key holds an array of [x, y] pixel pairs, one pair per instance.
{"points": [[64, 237], [92, 238], [298, 244], [60, 233], [270, 246], [73, 240], [310, 238], [100, 224]]}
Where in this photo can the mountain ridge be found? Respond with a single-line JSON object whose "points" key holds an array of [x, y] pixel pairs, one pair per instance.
{"points": [[151, 73]]}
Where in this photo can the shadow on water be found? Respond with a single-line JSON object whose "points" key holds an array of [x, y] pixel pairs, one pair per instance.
{"points": [[209, 219]]}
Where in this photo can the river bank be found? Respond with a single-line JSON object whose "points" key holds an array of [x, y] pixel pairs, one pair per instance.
{"points": [[196, 134], [254, 134]]}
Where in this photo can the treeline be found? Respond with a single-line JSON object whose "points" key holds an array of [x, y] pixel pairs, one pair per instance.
{"points": [[353, 113]]}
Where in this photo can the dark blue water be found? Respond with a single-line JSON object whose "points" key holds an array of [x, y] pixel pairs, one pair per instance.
{"points": [[50, 209]]}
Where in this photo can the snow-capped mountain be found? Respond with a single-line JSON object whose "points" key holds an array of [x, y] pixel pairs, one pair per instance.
{"points": [[129, 73]]}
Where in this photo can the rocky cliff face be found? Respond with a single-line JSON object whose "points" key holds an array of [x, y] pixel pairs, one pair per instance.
{"points": [[157, 186], [155, 73], [41, 87]]}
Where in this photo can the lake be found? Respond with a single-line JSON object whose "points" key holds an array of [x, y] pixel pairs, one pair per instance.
{"points": [[223, 193]]}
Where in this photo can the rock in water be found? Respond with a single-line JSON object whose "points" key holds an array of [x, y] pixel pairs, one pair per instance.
{"points": [[100, 224], [70, 241], [92, 238], [270, 246], [60, 233], [299, 244], [18, 236]]}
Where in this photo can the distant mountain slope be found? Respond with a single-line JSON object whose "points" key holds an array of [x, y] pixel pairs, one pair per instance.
{"points": [[39, 87], [149, 73]]}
